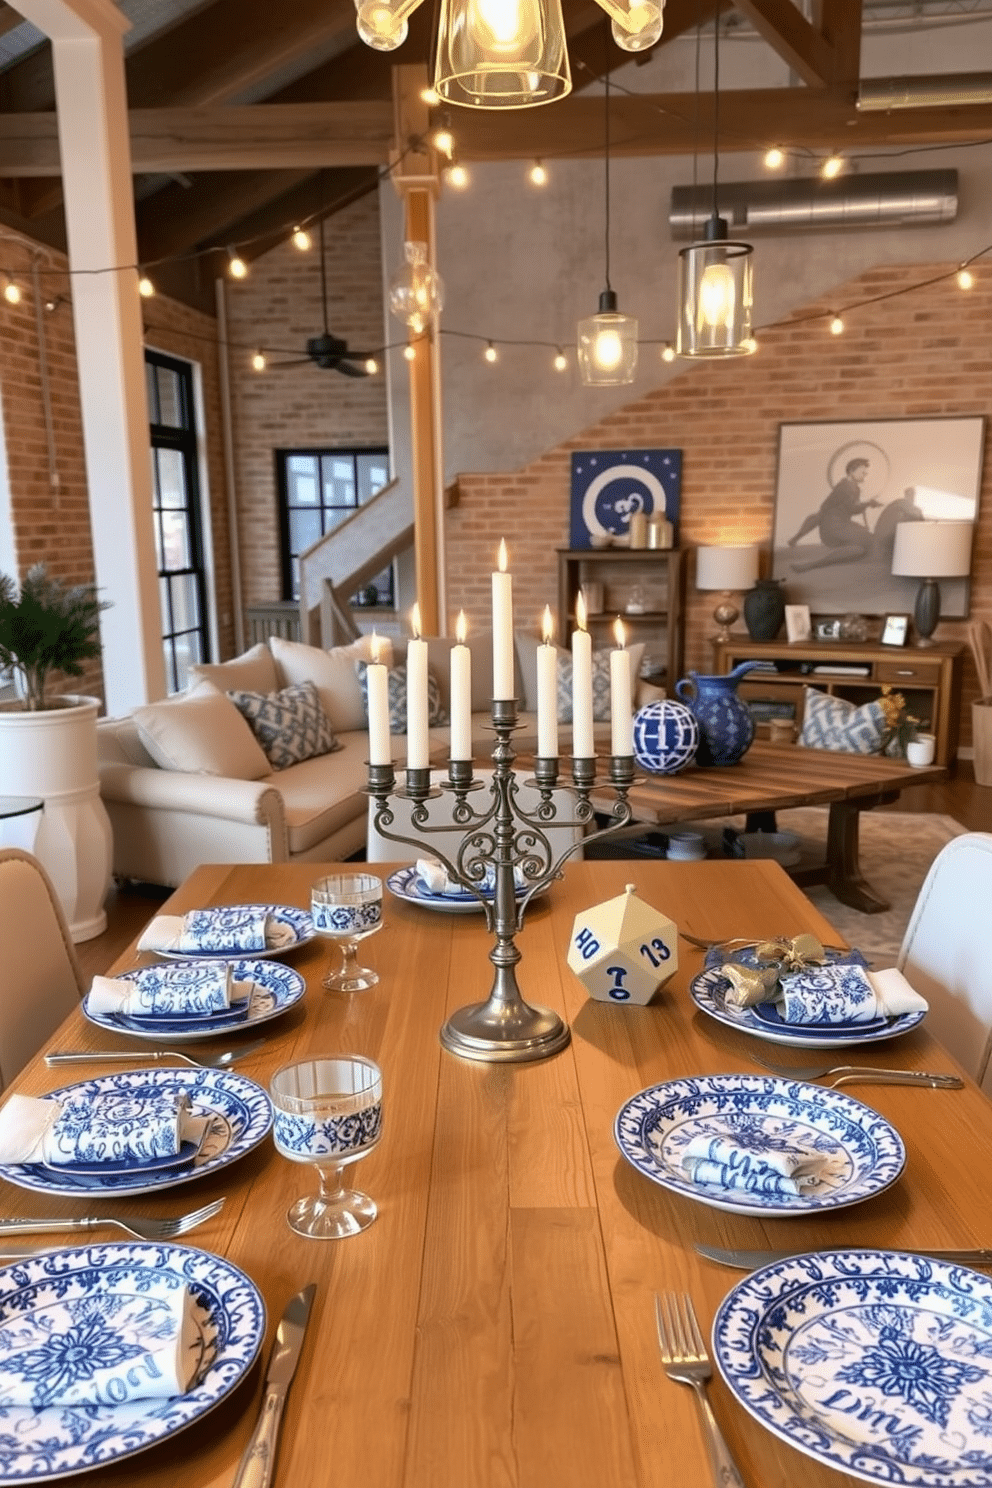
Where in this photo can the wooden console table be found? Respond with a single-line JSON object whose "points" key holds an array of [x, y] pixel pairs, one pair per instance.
{"points": [[929, 678]]}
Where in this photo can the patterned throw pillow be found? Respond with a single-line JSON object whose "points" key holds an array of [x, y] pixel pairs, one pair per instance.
{"points": [[834, 723], [436, 715], [290, 725], [600, 687]]}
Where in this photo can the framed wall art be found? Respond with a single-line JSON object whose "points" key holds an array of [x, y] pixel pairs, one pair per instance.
{"points": [[895, 630], [798, 626], [610, 486], [841, 490]]}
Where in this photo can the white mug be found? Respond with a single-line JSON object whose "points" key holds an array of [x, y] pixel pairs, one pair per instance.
{"points": [[920, 751]]}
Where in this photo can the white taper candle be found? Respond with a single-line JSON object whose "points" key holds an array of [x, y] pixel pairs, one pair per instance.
{"points": [[583, 746], [547, 692]]}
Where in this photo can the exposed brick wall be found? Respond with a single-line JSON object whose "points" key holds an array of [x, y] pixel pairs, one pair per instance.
{"points": [[924, 354], [278, 307]]}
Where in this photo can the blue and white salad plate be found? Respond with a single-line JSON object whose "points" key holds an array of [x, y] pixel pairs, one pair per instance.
{"points": [[239, 1112], [293, 927], [874, 1362], [708, 990], [406, 884], [51, 1442], [266, 989], [859, 1152]]}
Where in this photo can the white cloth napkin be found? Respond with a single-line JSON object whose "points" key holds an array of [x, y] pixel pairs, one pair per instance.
{"points": [[101, 1128], [215, 930], [772, 1167], [101, 1347], [164, 992], [846, 994]]}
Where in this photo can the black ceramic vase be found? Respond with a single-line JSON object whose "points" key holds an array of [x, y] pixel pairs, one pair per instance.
{"points": [[764, 609]]}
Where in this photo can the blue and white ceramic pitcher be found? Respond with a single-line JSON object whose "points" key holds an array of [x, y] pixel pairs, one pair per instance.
{"points": [[726, 728]]}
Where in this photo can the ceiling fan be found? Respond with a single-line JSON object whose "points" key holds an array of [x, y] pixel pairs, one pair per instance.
{"points": [[327, 350]]}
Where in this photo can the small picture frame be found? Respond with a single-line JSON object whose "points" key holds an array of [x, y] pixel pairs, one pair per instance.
{"points": [[798, 626], [895, 630]]}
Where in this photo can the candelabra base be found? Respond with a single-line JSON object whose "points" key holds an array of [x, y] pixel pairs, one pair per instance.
{"points": [[497, 1032]]}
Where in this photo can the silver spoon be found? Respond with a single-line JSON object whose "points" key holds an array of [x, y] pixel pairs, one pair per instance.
{"points": [[142, 1056]]}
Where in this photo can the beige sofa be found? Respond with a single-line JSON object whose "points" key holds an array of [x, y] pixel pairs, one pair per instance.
{"points": [[185, 781]]}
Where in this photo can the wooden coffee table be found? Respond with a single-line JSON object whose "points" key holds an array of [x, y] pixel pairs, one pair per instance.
{"points": [[772, 777]]}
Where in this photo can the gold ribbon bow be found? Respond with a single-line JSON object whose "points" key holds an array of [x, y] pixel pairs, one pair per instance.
{"points": [[751, 984]]}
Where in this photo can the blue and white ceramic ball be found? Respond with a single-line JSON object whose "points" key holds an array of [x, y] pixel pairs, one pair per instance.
{"points": [[666, 737]]}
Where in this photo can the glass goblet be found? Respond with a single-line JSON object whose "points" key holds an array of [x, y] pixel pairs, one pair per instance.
{"points": [[347, 907], [328, 1112]]}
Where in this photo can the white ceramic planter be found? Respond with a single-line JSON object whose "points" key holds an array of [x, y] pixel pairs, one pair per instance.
{"points": [[920, 751], [52, 754]]}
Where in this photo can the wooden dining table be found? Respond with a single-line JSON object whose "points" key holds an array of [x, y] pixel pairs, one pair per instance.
{"points": [[494, 1328]]}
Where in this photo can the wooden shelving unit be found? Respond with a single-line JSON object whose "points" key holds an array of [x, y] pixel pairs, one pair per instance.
{"points": [[658, 576]]}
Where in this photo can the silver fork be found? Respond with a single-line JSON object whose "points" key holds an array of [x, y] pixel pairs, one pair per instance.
{"points": [[847, 1074], [144, 1229], [153, 1056], [684, 1356]]}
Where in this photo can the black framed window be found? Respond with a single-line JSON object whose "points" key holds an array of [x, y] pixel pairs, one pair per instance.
{"points": [[178, 526], [318, 488]]}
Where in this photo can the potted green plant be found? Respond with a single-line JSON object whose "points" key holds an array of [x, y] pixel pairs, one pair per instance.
{"points": [[48, 740]]}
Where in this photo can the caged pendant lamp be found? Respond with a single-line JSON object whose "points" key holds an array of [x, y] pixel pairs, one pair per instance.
{"points": [[607, 341], [715, 285]]}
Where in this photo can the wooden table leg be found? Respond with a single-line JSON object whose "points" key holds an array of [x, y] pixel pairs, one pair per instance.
{"points": [[844, 875]]}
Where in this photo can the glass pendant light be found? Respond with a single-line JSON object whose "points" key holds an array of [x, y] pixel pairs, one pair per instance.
{"points": [[416, 291], [607, 341], [501, 53], [715, 285]]}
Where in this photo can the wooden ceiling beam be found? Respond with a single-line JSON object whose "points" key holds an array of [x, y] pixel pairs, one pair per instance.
{"points": [[783, 26], [840, 23], [179, 219]]}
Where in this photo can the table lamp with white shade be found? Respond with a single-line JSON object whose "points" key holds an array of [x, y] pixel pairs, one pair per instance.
{"points": [[731, 569], [931, 551]]}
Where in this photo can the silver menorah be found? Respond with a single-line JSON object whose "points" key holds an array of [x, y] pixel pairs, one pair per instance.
{"points": [[500, 845]]}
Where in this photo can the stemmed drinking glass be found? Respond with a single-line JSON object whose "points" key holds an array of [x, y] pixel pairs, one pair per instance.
{"points": [[347, 907], [328, 1112]]}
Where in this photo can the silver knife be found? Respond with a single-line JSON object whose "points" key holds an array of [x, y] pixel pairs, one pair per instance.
{"points": [[752, 1260], [255, 1467]]}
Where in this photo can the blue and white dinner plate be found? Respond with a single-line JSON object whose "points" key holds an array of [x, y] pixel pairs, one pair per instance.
{"points": [[876, 1363], [272, 989], [770, 1015], [405, 884], [708, 990], [38, 1445], [294, 925], [240, 1117], [860, 1152]]}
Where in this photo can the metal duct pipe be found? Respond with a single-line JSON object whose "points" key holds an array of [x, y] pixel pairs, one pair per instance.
{"points": [[883, 94], [893, 199]]}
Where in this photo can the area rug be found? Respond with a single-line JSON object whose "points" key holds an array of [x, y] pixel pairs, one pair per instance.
{"points": [[896, 849]]}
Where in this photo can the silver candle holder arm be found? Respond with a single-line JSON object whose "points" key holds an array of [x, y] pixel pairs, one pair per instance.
{"points": [[499, 845]]}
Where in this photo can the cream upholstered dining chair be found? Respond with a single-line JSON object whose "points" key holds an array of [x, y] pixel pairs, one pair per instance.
{"points": [[380, 850], [946, 953], [41, 981]]}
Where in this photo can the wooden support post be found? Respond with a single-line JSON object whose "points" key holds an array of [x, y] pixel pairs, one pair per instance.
{"points": [[417, 178]]}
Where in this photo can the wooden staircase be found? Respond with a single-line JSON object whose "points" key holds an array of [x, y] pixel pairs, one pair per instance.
{"points": [[347, 558]]}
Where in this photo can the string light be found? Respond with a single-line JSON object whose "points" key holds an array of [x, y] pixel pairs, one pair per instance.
{"points": [[258, 362], [836, 326], [538, 174], [490, 353], [430, 96], [236, 266], [668, 352], [444, 141], [146, 288], [301, 239], [12, 291], [458, 177], [832, 167], [561, 361], [371, 366], [965, 278], [409, 352], [774, 158]]}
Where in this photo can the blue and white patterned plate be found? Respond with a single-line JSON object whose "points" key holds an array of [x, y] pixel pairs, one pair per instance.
{"points": [[860, 1152], [296, 929], [708, 991], [240, 1117], [405, 884], [272, 990], [181, 1159], [877, 1363], [37, 1446], [770, 1014]]}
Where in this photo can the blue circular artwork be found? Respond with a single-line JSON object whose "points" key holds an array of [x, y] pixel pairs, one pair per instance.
{"points": [[666, 737]]}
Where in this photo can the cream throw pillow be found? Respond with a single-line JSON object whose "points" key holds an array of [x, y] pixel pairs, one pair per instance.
{"points": [[253, 671], [332, 671], [201, 733]]}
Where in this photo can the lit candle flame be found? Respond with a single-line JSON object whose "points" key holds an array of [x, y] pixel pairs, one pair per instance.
{"points": [[375, 648], [502, 560], [580, 610], [461, 628], [415, 621], [548, 627], [619, 633]]}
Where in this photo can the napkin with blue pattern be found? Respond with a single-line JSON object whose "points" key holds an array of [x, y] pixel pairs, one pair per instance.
{"points": [[118, 1127], [224, 930], [756, 1162], [179, 991], [846, 994]]}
